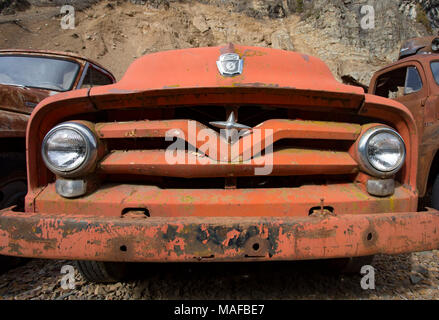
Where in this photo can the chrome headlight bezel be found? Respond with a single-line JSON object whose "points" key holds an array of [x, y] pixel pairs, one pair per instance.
{"points": [[91, 152], [364, 159]]}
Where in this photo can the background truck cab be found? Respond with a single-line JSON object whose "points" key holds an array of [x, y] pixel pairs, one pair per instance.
{"points": [[413, 80]]}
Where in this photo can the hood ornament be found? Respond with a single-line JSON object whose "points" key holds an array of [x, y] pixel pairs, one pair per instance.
{"points": [[230, 126], [229, 64]]}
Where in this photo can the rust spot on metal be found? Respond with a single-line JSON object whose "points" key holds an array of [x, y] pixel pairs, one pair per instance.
{"points": [[220, 239], [370, 236], [257, 247], [131, 133]]}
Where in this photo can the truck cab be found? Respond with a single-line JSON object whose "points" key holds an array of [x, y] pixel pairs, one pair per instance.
{"points": [[413, 80]]}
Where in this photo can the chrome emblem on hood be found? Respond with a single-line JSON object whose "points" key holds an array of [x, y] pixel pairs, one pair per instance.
{"points": [[229, 64], [229, 125]]}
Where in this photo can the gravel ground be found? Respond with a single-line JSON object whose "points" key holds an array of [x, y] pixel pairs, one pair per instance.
{"points": [[407, 276]]}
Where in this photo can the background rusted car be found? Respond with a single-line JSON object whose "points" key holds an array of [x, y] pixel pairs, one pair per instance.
{"points": [[26, 78]]}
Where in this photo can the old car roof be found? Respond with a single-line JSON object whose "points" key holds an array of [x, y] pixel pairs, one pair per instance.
{"points": [[53, 53], [417, 57]]}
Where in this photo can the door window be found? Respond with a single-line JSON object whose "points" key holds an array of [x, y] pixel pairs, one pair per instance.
{"points": [[398, 83]]}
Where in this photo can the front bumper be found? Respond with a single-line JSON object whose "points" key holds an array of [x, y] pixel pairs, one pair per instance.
{"points": [[166, 239]]}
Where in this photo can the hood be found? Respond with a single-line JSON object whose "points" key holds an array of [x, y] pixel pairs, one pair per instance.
{"points": [[195, 71], [20, 99]]}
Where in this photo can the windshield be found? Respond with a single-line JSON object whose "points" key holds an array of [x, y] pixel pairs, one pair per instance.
{"points": [[38, 72]]}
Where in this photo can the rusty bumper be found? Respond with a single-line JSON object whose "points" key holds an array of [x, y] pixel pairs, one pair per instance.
{"points": [[215, 239]]}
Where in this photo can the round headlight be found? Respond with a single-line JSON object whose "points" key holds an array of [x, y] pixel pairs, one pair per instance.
{"points": [[69, 149], [382, 151]]}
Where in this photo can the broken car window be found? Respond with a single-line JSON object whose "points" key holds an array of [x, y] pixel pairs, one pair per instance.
{"points": [[38, 72], [398, 83]]}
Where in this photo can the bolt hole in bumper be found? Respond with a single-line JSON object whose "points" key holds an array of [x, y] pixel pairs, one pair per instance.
{"points": [[179, 239]]}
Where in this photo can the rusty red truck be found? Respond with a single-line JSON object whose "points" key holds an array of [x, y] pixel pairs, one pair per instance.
{"points": [[26, 78], [229, 153]]}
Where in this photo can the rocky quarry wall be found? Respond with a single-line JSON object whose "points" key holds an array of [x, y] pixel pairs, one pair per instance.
{"points": [[329, 29]]}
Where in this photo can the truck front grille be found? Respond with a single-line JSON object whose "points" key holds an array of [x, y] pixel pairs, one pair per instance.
{"points": [[299, 152]]}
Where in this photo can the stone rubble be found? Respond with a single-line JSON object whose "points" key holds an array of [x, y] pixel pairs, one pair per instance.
{"points": [[400, 277]]}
